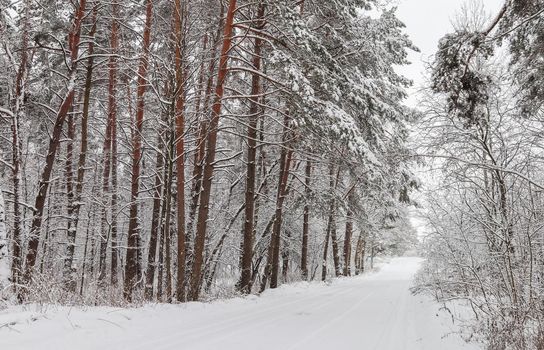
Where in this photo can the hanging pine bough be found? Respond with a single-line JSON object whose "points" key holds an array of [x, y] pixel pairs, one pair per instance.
{"points": [[455, 73], [179, 151]]}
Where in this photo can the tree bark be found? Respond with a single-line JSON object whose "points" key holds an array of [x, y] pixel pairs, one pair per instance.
{"points": [[347, 239], [155, 223], [179, 113], [112, 117], [18, 102], [254, 111], [335, 248], [326, 251], [306, 222], [200, 146], [360, 254], [76, 205], [331, 226], [273, 259], [132, 263], [69, 280], [37, 219], [203, 209]]}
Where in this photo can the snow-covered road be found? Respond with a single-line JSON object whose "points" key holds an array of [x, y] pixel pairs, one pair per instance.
{"points": [[375, 311]]}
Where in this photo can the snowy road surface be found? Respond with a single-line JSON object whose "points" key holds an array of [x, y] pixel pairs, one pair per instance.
{"points": [[375, 311]]}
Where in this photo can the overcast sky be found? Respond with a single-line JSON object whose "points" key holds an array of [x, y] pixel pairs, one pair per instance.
{"points": [[426, 22]]}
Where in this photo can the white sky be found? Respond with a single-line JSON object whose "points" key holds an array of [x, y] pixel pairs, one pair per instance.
{"points": [[426, 22]]}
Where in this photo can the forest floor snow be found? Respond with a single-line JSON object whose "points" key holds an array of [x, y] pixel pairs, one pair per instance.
{"points": [[375, 311]]}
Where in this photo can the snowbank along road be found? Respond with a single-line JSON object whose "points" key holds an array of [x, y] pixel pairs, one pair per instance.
{"points": [[375, 311]]}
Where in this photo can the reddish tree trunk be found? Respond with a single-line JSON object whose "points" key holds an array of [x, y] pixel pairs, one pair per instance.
{"points": [[132, 263], [34, 234], [208, 170], [201, 147], [76, 205]]}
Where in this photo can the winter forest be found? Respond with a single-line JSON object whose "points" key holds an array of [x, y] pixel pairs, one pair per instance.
{"points": [[218, 168]]}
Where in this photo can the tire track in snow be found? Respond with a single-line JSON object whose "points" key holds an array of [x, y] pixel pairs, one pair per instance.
{"points": [[173, 331], [331, 322], [316, 306]]}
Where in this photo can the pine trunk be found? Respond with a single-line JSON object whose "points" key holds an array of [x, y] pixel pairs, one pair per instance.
{"points": [[306, 222], [347, 238], [273, 260], [155, 224], [254, 111], [80, 176], [43, 186], [360, 255], [208, 170], [179, 114], [331, 224], [132, 263], [68, 274]]}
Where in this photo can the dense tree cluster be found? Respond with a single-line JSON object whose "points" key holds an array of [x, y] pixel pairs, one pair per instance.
{"points": [[482, 125], [166, 150]]}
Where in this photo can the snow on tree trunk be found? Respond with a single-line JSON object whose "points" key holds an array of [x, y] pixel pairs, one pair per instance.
{"points": [[4, 261]]}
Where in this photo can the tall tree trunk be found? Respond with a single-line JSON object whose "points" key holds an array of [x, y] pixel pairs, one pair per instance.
{"points": [[331, 225], [132, 263], [69, 280], [179, 114], [273, 259], [166, 230], [285, 257], [335, 248], [110, 154], [4, 265], [114, 207], [39, 204], [91, 215], [166, 206], [306, 221], [85, 249], [112, 112], [105, 225], [200, 146], [208, 170], [326, 250], [155, 224], [76, 205], [360, 254], [160, 266], [254, 111], [18, 103], [16, 265], [347, 237], [276, 229]]}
